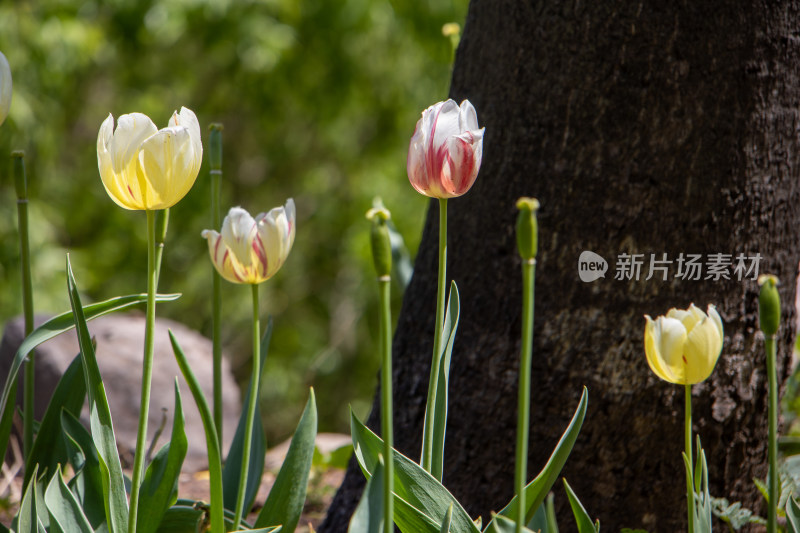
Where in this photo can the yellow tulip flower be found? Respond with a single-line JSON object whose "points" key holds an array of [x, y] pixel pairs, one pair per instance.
{"points": [[683, 346], [144, 168], [251, 250]]}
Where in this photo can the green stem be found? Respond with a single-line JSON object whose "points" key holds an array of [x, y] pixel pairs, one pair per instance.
{"points": [[387, 431], [162, 222], [773, 476], [524, 396], [147, 370], [251, 411], [427, 442], [688, 444], [212, 442], [27, 298], [216, 309]]}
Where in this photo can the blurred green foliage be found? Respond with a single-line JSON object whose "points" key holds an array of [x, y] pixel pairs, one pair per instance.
{"points": [[318, 99]]}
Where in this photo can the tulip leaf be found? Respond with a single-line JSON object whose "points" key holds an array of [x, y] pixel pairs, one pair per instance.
{"points": [[64, 507], [503, 524], [49, 449], [159, 488], [288, 494], [87, 483], [368, 516], [181, 519], [544, 520], [27, 519], [448, 518], [440, 409], [212, 441], [55, 326], [536, 490], [792, 515], [116, 501], [582, 518], [258, 446], [419, 497]]}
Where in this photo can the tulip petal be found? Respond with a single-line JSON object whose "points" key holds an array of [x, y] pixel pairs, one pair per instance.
{"points": [[715, 318], [188, 119], [416, 165], [670, 342], [653, 350], [167, 167], [462, 166], [117, 154], [221, 256], [468, 117], [703, 347], [276, 235], [238, 232]]}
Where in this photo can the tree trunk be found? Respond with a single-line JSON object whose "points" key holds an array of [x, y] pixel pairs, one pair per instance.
{"points": [[643, 128]]}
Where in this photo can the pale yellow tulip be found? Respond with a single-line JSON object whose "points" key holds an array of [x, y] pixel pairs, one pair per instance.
{"points": [[683, 346], [145, 168]]}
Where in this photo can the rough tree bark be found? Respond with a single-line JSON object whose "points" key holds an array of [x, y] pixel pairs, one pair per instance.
{"points": [[642, 127]]}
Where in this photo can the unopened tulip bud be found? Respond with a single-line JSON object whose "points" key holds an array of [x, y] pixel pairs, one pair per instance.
{"points": [[769, 305], [527, 228], [215, 146], [20, 181], [381, 242], [5, 87]]}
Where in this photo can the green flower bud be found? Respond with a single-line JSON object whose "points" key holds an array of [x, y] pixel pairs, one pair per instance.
{"points": [[20, 181], [381, 243], [215, 146], [527, 229], [769, 305]]}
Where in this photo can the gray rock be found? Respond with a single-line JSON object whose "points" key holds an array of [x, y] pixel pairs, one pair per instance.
{"points": [[120, 342]]}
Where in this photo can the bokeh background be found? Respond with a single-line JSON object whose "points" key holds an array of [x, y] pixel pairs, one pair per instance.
{"points": [[318, 99]]}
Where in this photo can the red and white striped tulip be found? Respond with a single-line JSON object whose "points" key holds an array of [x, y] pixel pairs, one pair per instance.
{"points": [[445, 152], [251, 250]]}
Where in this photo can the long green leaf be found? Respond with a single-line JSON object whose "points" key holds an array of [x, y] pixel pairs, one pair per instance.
{"points": [[582, 518], [503, 524], [440, 412], [49, 448], [181, 519], [64, 507], [65, 322], [116, 502], [287, 496], [159, 488], [87, 483], [27, 520], [368, 517], [448, 518], [792, 515], [536, 490], [258, 447], [412, 484], [212, 441]]}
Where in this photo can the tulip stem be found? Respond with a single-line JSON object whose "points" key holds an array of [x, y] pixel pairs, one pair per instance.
{"points": [[427, 443], [773, 476], [690, 470], [27, 298], [384, 286], [524, 395], [251, 411], [216, 310], [147, 369]]}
